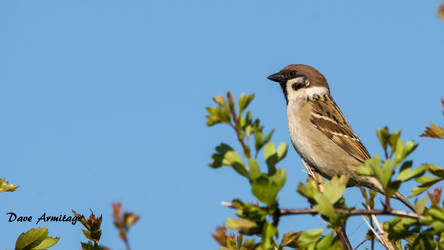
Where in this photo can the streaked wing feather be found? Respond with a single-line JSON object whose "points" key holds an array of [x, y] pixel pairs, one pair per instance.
{"points": [[328, 118]]}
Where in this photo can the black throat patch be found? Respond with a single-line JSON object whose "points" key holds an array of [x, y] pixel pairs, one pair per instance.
{"points": [[284, 89]]}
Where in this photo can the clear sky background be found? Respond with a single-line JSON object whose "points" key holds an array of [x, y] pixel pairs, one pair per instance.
{"points": [[103, 101]]}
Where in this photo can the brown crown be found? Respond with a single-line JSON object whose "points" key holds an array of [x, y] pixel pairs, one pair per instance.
{"points": [[313, 75]]}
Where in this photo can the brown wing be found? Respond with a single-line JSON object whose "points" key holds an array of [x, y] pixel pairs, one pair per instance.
{"points": [[328, 118]]}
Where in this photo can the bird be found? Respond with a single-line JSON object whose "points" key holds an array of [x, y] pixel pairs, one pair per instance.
{"points": [[319, 132]]}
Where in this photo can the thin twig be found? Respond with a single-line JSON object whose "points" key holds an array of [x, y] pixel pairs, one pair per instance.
{"points": [[360, 244], [373, 230], [244, 146], [384, 235], [350, 212], [316, 177]]}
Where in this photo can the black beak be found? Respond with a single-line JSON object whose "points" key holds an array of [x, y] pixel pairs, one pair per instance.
{"points": [[278, 77]]}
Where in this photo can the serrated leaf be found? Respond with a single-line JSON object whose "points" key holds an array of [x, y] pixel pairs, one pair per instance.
{"points": [[265, 190], [219, 156], [232, 158], [308, 190], [31, 238], [335, 188], [226, 156], [394, 140], [403, 151], [407, 173], [365, 171], [279, 178], [244, 101], [309, 238], [323, 205], [383, 174]]}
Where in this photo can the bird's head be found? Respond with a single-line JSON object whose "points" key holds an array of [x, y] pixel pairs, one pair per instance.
{"points": [[300, 81]]}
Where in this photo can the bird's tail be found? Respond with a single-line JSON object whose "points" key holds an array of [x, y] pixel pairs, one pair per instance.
{"points": [[404, 200]]}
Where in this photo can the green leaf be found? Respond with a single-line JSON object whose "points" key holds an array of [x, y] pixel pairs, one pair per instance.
{"points": [[370, 166], [268, 137], [250, 212], [417, 191], [34, 238], [420, 205], [428, 180], [279, 178], [271, 157], [268, 233], [265, 189], [244, 101], [254, 168], [6, 187], [232, 158], [434, 131], [47, 243], [282, 150], [384, 174], [309, 238], [394, 140], [323, 205], [329, 242], [407, 173], [335, 188], [308, 190], [436, 213], [402, 151], [435, 170], [226, 156], [243, 225], [383, 136], [365, 170], [219, 156], [290, 239]]}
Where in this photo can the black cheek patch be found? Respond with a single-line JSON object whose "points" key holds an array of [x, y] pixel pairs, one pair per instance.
{"points": [[297, 86]]}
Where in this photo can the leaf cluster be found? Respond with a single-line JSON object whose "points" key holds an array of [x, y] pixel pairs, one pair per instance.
{"points": [[123, 222], [422, 229], [265, 186], [6, 187], [92, 231]]}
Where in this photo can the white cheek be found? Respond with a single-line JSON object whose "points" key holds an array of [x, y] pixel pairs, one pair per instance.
{"points": [[303, 93]]}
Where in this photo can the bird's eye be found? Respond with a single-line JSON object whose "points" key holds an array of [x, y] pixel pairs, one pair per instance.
{"points": [[292, 74]]}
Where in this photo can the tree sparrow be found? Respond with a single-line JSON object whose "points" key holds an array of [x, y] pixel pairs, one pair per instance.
{"points": [[318, 130]]}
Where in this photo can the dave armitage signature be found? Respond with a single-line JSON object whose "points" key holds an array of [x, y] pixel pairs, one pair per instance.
{"points": [[13, 217]]}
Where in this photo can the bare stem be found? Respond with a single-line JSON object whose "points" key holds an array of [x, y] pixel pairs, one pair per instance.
{"points": [[350, 212]]}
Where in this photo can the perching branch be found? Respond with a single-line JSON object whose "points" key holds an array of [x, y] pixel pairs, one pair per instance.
{"points": [[353, 212]]}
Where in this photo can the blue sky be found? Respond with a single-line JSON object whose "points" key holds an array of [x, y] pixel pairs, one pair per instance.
{"points": [[103, 101]]}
